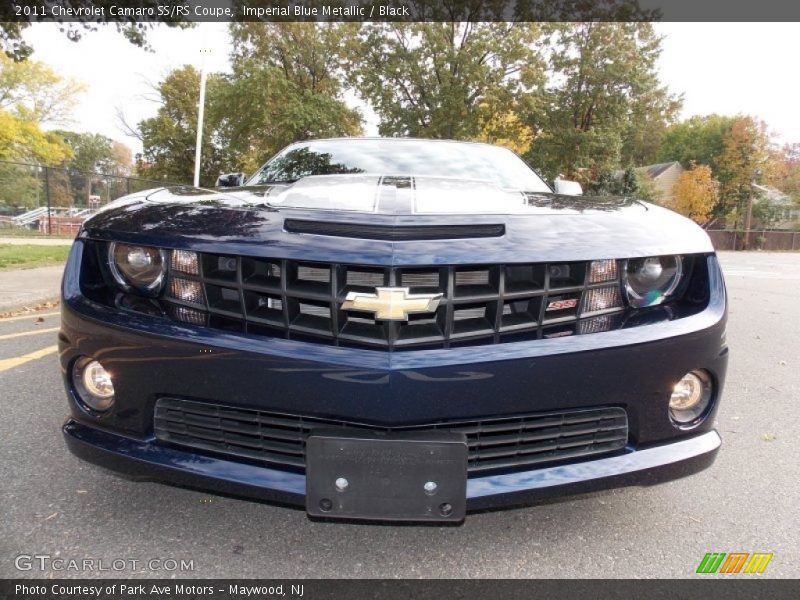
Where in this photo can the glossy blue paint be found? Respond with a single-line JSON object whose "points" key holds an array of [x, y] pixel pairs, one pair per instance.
{"points": [[396, 361], [142, 459], [549, 228], [633, 367]]}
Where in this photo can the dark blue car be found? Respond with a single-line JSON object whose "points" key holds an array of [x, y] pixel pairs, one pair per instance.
{"points": [[392, 329]]}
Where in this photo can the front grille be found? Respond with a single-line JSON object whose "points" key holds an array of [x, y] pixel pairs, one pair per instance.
{"points": [[481, 304], [507, 443]]}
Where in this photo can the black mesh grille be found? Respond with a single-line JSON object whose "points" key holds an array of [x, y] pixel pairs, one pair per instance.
{"points": [[480, 304], [494, 444]]}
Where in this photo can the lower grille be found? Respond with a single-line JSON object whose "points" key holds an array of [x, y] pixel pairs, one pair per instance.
{"points": [[494, 444]]}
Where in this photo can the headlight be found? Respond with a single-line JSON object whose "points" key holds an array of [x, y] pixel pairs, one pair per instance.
{"points": [[650, 281], [138, 267]]}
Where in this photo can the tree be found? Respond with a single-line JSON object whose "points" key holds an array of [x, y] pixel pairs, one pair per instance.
{"points": [[699, 140], [744, 157], [695, 194], [23, 140], [33, 91], [95, 156], [785, 172], [507, 130], [31, 95], [19, 185], [286, 86], [135, 31], [169, 137], [447, 79], [604, 105], [767, 213], [606, 182]]}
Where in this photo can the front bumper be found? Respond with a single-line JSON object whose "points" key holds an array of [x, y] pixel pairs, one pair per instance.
{"points": [[136, 459], [633, 368]]}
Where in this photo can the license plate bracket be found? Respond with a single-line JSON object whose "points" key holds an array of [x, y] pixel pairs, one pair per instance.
{"points": [[384, 477]]}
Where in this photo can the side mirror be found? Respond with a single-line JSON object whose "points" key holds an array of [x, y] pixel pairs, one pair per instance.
{"points": [[568, 188], [231, 180]]}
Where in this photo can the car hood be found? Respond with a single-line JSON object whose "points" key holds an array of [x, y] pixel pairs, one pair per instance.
{"points": [[536, 226]]}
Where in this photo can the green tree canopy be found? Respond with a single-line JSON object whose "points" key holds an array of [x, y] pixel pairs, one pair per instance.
{"points": [[94, 157], [446, 80], [168, 138], [604, 105], [286, 86], [698, 140]]}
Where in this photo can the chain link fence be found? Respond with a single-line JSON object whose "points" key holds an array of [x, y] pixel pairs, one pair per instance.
{"points": [[56, 200]]}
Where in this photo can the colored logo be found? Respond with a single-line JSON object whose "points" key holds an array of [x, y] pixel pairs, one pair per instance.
{"points": [[734, 562]]}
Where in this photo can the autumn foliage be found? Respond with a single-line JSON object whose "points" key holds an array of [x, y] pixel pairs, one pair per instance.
{"points": [[695, 193]]}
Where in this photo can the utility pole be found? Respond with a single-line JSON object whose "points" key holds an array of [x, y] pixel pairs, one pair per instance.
{"points": [[200, 111], [748, 220]]}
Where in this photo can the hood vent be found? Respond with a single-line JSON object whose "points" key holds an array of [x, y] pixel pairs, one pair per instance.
{"points": [[394, 233]]}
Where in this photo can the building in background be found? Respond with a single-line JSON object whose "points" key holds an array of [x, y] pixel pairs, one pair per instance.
{"points": [[664, 177]]}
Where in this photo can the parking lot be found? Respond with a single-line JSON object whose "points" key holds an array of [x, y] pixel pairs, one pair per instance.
{"points": [[53, 504]]}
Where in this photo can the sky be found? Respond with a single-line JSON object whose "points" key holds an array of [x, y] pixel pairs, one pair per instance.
{"points": [[725, 68]]}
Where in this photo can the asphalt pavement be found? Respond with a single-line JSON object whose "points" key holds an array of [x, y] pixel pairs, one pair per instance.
{"points": [[52, 504]]}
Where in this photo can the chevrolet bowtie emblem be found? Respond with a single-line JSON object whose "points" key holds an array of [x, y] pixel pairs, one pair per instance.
{"points": [[392, 303]]}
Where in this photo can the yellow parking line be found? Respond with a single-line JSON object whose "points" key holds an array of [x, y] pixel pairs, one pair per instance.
{"points": [[10, 363], [9, 336], [31, 315]]}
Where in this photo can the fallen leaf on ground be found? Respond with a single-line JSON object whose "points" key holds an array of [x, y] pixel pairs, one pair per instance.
{"points": [[768, 437]]}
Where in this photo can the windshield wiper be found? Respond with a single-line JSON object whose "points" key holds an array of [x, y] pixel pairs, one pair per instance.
{"points": [[277, 181]]}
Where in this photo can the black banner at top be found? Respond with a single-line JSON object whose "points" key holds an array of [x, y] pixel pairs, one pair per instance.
{"points": [[176, 11]]}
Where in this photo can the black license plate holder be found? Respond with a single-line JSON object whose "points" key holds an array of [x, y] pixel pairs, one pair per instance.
{"points": [[386, 476]]}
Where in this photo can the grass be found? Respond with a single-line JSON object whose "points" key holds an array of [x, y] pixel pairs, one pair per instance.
{"points": [[25, 232], [28, 256]]}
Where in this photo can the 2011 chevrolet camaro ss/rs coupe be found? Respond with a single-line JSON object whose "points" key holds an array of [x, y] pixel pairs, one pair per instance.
{"points": [[392, 329]]}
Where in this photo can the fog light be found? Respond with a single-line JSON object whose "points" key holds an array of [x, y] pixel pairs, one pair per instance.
{"points": [[690, 397], [93, 384]]}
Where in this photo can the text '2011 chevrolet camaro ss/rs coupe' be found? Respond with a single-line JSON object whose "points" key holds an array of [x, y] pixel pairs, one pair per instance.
{"points": [[392, 329]]}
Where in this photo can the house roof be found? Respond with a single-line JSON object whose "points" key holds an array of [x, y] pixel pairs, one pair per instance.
{"points": [[772, 194], [654, 171]]}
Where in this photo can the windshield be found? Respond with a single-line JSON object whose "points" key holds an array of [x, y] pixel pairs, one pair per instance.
{"points": [[401, 157]]}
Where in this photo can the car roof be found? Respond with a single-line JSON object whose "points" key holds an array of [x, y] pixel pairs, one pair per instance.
{"points": [[392, 139]]}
